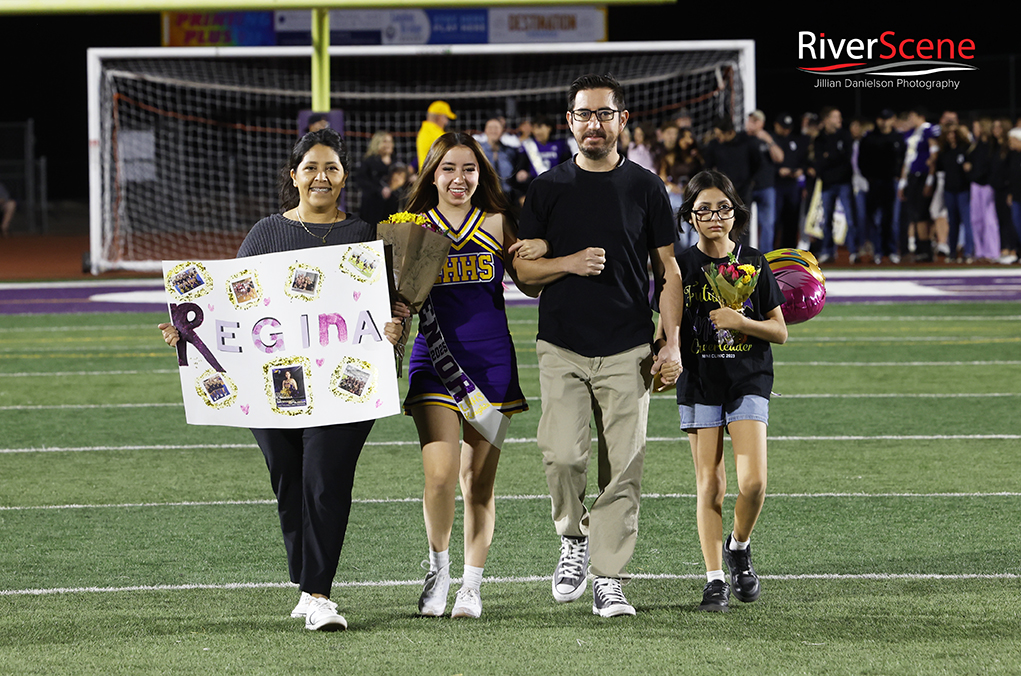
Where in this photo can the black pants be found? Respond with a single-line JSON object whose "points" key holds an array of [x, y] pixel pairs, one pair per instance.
{"points": [[312, 471], [915, 209], [880, 198], [788, 212], [1006, 221]]}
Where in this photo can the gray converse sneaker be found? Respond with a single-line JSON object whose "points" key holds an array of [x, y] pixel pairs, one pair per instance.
{"points": [[301, 610], [467, 603], [433, 601], [608, 598], [569, 579], [323, 616]]}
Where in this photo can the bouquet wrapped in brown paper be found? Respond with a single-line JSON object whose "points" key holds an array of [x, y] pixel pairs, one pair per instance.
{"points": [[419, 251]]}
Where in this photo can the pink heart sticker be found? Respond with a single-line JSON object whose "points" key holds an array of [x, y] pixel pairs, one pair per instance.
{"points": [[356, 294], [210, 306], [265, 301], [244, 408], [319, 362]]}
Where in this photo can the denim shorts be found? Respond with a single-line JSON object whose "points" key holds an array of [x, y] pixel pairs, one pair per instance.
{"points": [[749, 407]]}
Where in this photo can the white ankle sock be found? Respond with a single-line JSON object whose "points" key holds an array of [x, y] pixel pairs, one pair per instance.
{"points": [[736, 545], [715, 575], [439, 560], [472, 577]]}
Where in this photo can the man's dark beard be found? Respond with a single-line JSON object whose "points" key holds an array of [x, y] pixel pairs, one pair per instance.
{"points": [[595, 154]]}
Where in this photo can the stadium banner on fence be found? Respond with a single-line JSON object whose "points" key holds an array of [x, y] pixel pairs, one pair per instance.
{"points": [[449, 26], [218, 29], [284, 340]]}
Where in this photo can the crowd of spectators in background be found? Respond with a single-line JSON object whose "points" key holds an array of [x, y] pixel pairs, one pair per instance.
{"points": [[895, 187]]}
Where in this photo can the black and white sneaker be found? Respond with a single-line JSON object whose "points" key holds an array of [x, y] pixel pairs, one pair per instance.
{"points": [[743, 579], [608, 599], [715, 597], [570, 577]]}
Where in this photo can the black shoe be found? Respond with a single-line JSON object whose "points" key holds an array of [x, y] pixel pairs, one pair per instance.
{"points": [[742, 576], [715, 597]]}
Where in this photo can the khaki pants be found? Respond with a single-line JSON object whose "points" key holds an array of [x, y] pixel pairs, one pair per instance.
{"points": [[615, 391]]}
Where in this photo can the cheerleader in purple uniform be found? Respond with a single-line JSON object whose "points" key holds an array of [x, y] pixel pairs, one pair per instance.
{"points": [[459, 191]]}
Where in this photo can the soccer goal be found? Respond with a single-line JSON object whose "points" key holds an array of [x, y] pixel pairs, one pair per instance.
{"points": [[186, 144]]}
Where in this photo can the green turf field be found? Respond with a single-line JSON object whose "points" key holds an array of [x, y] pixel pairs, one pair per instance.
{"points": [[136, 544]]}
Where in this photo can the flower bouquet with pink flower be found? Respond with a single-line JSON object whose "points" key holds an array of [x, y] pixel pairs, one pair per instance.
{"points": [[733, 283], [418, 251]]}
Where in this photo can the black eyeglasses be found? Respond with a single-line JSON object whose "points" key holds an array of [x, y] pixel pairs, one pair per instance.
{"points": [[603, 114], [705, 215]]}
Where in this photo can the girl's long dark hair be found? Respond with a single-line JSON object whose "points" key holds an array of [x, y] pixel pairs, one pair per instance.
{"points": [[488, 196]]}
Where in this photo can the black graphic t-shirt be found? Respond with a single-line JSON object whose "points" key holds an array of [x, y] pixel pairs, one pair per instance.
{"points": [[715, 374]]}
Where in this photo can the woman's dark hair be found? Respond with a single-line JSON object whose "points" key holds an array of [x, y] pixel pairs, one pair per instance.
{"points": [[488, 196], [324, 137], [704, 180]]}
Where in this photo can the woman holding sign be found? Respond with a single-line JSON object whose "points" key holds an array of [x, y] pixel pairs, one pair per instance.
{"points": [[463, 372], [312, 469]]}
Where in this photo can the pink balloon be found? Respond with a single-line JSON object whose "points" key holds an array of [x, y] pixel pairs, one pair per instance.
{"points": [[805, 294]]}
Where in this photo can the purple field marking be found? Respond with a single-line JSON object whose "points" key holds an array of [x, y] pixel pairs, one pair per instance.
{"points": [[76, 297], [843, 286]]}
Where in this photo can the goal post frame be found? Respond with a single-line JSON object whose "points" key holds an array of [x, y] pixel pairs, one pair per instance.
{"points": [[96, 56]]}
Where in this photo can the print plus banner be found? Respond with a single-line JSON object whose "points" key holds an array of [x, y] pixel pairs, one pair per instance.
{"points": [[284, 340]]}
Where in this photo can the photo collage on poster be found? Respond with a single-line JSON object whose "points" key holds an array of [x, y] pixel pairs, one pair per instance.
{"points": [[305, 334]]}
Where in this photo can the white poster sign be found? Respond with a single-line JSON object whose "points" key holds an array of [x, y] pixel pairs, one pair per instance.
{"points": [[284, 340]]}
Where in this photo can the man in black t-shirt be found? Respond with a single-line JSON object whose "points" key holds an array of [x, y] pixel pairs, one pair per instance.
{"points": [[602, 218], [790, 179], [764, 180], [832, 165], [880, 157], [732, 152]]}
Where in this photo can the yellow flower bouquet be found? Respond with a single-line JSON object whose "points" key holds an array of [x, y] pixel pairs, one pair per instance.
{"points": [[733, 283]]}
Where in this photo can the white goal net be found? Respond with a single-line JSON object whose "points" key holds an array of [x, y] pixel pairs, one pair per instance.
{"points": [[186, 144]]}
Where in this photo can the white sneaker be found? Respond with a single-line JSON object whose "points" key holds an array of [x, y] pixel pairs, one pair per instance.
{"points": [[323, 616], [467, 603], [608, 599], [301, 610], [571, 575], [433, 601]]}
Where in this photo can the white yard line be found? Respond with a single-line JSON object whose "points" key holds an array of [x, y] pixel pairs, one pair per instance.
{"points": [[515, 498], [77, 329], [51, 407], [892, 395], [901, 339], [42, 374], [184, 447], [951, 577], [978, 318], [854, 364]]}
